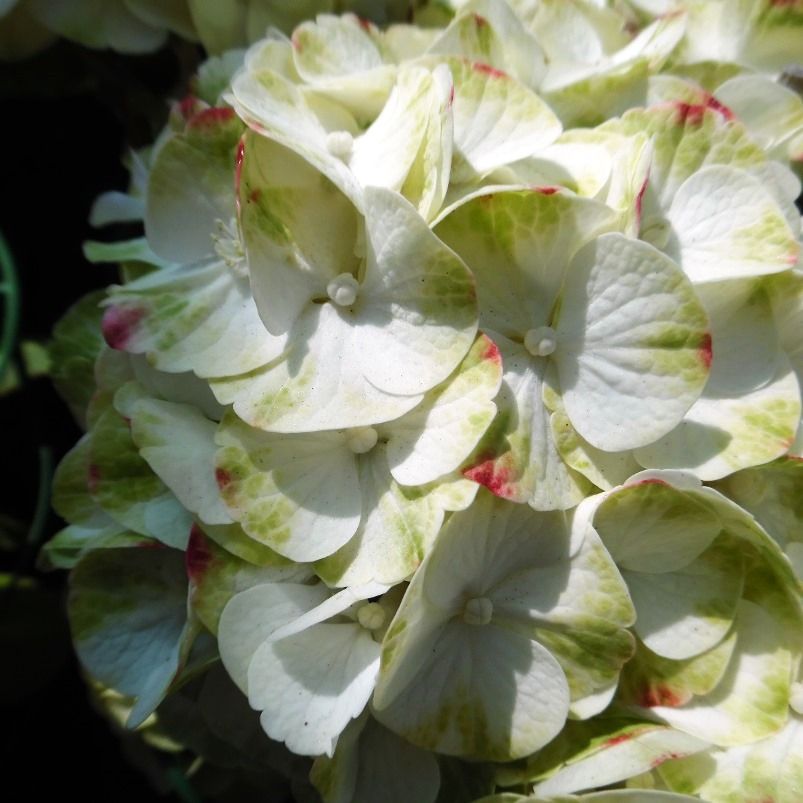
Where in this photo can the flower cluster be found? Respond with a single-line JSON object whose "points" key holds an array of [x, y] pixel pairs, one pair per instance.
{"points": [[452, 401]]}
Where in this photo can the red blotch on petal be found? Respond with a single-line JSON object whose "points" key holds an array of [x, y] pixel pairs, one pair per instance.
{"points": [[651, 481], [689, 113], [365, 24], [198, 556], [222, 477], [479, 20], [480, 66], [254, 195], [238, 171], [93, 478], [640, 199], [659, 695], [546, 190], [656, 762], [119, 324], [622, 737], [211, 117], [704, 350], [188, 107], [492, 352], [495, 477], [451, 96], [717, 106]]}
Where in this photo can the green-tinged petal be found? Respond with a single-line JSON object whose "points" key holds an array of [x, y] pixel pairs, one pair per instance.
{"points": [[419, 314], [722, 435], [495, 695], [575, 93], [68, 546], [371, 763], [531, 234], [772, 113], [216, 576], [128, 615], [73, 349], [604, 469], [786, 297], [622, 755], [748, 412], [71, 498], [686, 137], [626, 159], [649, 680], [397, 528], [178, 443], [182, 388], [200, 318], [191, 186], [252, 615], [751, 701], [688, 611], [214, 76], [653, 527], [770, 769], [297, 494], [274, 106], [364, 355], [333, 46], [408, 148], [460, 673], [497, 120], [631, 339], [773, 493], [576, 31], [577, 742], [587, 93], [340, 57], [727, 226], [316, 384], [116, 207], [233, 539], [583, 168], [126, 488], [517, 458], [126, 251], [299, 230], [488, 32], [764, 34], [310, 685], [437, 435]]}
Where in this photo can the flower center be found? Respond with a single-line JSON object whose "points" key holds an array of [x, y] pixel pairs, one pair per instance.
{"points": [[478, 611], [229, 248], [541, 341], [340, 144], [361, 439], [342, 290], [371, 616]]}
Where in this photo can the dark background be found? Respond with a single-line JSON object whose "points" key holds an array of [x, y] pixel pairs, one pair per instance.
{"points": [[67, 117]]}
